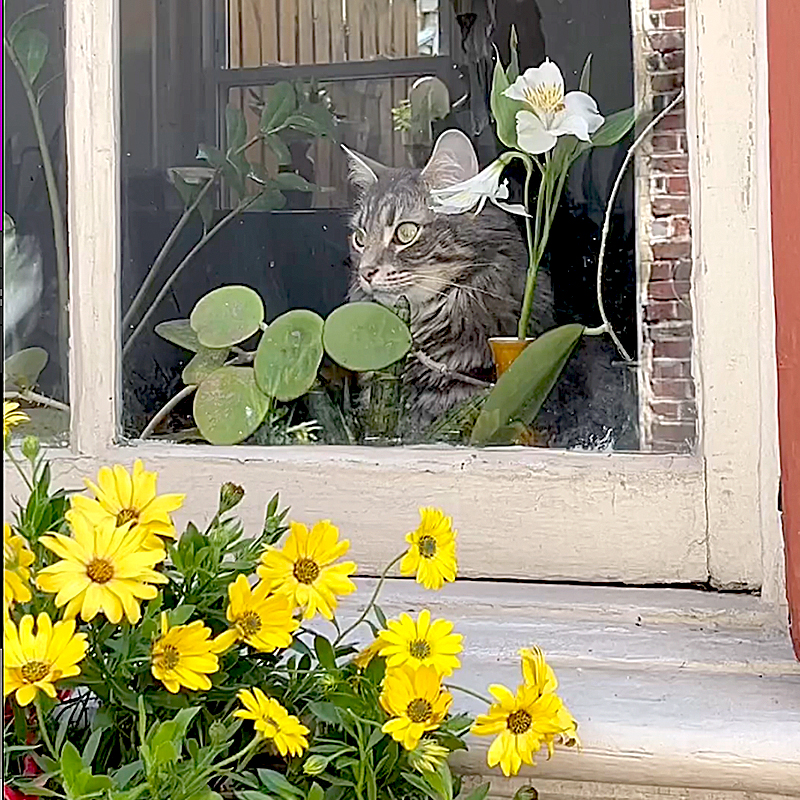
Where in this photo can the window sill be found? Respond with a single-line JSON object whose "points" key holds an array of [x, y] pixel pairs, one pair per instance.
{"points": [[672, 688]]}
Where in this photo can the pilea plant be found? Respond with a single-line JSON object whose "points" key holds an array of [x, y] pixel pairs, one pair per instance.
{"points": [[236, 388]]}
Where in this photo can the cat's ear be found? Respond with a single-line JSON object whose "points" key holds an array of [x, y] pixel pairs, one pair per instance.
{"points": [[364, 172], [453, 160]]}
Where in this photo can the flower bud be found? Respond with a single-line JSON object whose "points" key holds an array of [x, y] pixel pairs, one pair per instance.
{"points": [[30, 448], [230, 495], [315, 765]]}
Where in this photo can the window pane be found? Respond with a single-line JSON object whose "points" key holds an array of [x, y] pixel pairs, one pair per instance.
{"points": [[296, 173], [35, 324]]}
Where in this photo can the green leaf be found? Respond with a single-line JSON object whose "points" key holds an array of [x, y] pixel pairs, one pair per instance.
{"points": [[312, 118], [203, 363], [30, 47], [289, 354], [228, 405], [512, 73], [179, 332], [614, 127], [281, 102], [504, 109], [226, 316], [277, 784], [22, 369], [71, 764], [586, 75], [23, 21], [90, 748], [365, 336], [324, 651], [217, 159], [292, 182], [235, 128], [270, 200], [316, 792], [279, 148], [179, 616], [522, 389], [126, 773], [429, 97], [189, 189], [326, 712], [479, 792], [205, 794]]}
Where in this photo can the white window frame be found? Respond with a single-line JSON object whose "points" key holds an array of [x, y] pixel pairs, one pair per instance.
{"points": [[522, 513]]}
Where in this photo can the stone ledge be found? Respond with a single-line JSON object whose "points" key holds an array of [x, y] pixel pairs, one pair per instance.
{"points": [[672, 688]]}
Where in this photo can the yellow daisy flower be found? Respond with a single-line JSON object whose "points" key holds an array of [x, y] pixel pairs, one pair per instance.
{"points": [[17, 557], [536, 671], [185, 656], [522, 724], [264, 622], [363, 657], [427, 756], [132, 497], [104, 568], [273, 721], [421, 644], [432, 555], [12, 417], [415, 701], [36, 661], [304, 570]]}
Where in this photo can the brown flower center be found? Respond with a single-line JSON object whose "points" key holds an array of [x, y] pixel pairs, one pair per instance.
{"points": [[427, 546], [127, 515], [519, 721], [170, 656], [100, 570], [249, 623], [306, 570], [419, 649], [33, 671], [419, 710]]}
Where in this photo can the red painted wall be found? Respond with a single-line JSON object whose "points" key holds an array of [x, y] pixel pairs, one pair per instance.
{"points": [[783, 31]]}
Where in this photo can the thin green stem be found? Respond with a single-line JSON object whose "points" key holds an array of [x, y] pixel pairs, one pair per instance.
{"points": [[59, 228], [242, 206], [372, 599], [18, 466], [137, 301], [43, 728], [464, 690], [533, 264]]}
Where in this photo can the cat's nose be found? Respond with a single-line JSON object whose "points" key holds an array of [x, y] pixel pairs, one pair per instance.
{"points": [[369, 273]]}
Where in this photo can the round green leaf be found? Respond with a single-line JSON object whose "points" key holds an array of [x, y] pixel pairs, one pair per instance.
{"points": [[228, 405], [365, 336], [203, 363], [179, 332], [22, 369], [30, 47], [227, 316], [430, 97], [289, 354]]}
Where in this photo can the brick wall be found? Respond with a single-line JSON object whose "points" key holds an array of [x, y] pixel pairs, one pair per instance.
{"points": [[669, 410]]}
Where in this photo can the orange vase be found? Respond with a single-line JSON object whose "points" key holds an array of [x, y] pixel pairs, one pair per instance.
{"points": [[505, 350]]}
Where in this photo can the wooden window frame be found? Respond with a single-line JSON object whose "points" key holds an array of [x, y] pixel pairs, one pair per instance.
{"points": [[709, 517]]}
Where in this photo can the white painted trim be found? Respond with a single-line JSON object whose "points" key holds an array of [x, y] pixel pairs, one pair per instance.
{"points": [[582, 516]]}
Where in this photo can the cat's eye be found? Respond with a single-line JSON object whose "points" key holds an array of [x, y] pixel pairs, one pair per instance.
{"points": [[406, 232], [359, 239]]}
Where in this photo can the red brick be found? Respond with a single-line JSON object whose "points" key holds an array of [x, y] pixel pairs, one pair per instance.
{"points": [[667, 250], [660, 5], [670, 271], [674, 388], [670, 368], [670, 331], [664, 42], [668, 290], [678, 185], [674, 409], [681, 227], [678, 432], [666, 83], [674, 59], [666, 142], [662, 310], [676, 348], [667, 206], [675, 19], [671, 165], [673, 121]]}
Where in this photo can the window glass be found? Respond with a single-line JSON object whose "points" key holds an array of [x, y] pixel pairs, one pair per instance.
{"points": [[35, 323], [293, 267]]}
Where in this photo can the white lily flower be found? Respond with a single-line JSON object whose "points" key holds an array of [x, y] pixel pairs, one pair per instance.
{"points": [[486, 185], [552, 113]]}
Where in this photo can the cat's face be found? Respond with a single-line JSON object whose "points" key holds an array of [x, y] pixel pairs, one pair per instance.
{"points": [[399, 246]]}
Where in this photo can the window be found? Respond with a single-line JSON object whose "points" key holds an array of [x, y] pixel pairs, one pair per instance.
{"points": [[35, 263], [524, 513]]}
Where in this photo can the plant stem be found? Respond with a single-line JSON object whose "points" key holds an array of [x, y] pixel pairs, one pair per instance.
{"points": [[59, 229], [166, 408], [17, 466], [130, 314], [372, 599], [533, 264], [43, 728], [242, 206], [463, 690], [39, 399], [607, 219]]}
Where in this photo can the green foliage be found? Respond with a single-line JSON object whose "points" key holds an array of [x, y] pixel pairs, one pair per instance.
{"points": [[179, 332], [227, 316], [22, 369], [205, 361], [521, 391]]}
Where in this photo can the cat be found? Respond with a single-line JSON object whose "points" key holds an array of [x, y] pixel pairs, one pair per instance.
{"points": [[463, 275]]}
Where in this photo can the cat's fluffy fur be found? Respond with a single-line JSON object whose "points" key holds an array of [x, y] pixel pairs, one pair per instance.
{"points": [[463, 275]]}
